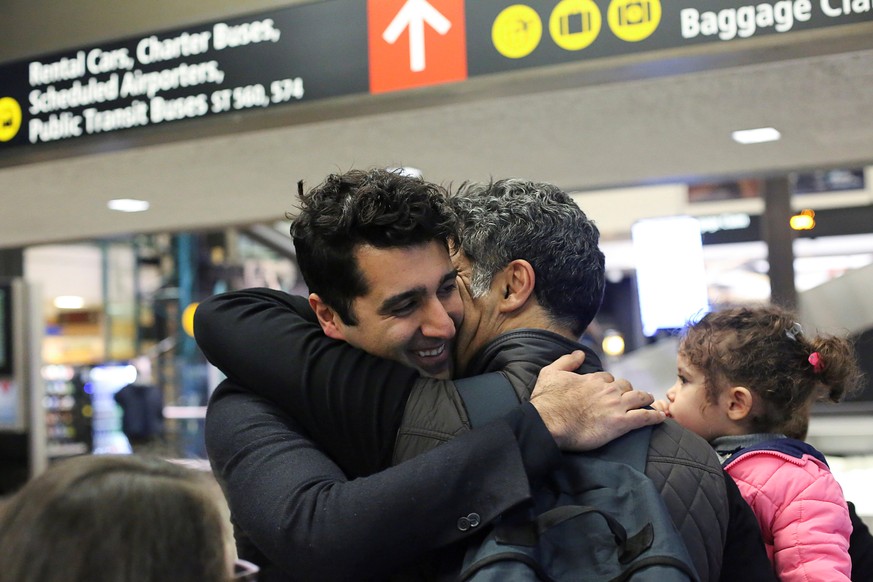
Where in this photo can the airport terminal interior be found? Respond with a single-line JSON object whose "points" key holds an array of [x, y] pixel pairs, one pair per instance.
{"points": [[150, 155]]}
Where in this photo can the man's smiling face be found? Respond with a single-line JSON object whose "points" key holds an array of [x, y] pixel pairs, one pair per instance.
{"points": [[412, 308]]}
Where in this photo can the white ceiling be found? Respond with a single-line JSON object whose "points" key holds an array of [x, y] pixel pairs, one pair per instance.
{"points": [[583, 126]]}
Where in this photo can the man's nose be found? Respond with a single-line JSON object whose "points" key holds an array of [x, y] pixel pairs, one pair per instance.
{"points": [[436, 321]]}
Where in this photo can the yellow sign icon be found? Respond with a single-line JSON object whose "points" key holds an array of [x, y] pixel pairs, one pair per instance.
{"points": [[517, 31], [633, 20], [188, 318], [10, 118], [575, 24]]}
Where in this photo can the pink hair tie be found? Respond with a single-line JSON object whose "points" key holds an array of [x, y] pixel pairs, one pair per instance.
{"points": [[817, 363]]}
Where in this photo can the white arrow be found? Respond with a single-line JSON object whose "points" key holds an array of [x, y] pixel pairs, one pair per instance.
{"points": [[413, 15]]}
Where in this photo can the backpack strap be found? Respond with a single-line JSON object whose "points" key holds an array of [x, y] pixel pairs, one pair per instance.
{"points": [[486, 397], [631, 448]]}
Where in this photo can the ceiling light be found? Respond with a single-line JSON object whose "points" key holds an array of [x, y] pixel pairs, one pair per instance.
{"points": [[757, 135], [128, 205], [69, 302]]}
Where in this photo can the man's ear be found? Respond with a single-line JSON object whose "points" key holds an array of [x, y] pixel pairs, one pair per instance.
{"points": [[329, 319], [739, 401], [517, 282]]}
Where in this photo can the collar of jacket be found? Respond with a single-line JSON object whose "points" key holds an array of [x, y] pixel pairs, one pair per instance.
{"points": [[530, 347], [779, 443]]}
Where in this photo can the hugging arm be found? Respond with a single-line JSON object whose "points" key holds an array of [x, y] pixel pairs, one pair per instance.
{"points": [[306, 517], [587, 411], [271, 343], [352, 403]]}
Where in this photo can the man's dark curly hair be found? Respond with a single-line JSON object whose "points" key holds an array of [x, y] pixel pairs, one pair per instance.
{"points": [[380, 208]]}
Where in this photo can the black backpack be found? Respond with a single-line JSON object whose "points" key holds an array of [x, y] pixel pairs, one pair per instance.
{"points": [[598, 517]]}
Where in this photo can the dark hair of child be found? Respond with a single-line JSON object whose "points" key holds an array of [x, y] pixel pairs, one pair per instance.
{"points": [[766, 350]]}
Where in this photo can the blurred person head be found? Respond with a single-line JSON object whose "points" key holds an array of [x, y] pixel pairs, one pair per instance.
{"points": [[372, 247], [527, 256], [116, 519], [749, 370]]}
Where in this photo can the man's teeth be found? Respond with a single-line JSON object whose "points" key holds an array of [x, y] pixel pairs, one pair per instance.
{"points": [[431, 353]]}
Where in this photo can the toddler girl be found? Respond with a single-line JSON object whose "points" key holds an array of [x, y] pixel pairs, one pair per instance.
{"points": [[747, 378]]}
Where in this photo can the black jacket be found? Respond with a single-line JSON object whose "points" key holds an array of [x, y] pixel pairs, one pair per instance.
{"points": [[860, 547]]}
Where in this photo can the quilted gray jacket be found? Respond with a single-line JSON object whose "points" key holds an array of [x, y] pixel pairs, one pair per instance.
{"points": [[684, 467]]}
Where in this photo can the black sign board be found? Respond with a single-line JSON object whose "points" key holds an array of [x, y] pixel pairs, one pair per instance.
{"points": [[303, 53], [324, 49], [504, 36]]}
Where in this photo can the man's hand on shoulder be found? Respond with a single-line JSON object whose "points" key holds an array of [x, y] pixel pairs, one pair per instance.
{"points": [[586, 411]]}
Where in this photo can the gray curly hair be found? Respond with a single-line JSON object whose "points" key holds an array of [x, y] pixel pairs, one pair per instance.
{"points": [[518, 219]]}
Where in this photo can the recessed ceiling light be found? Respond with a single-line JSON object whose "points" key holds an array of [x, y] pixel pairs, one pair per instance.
{"points": [[69, 302], [757, 135], [128, 205]]}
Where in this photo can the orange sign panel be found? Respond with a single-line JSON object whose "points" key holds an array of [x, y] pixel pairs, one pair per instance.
{"points": [[415, 43]]}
